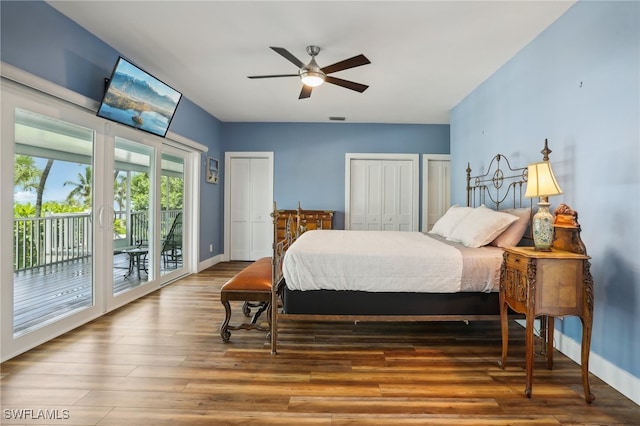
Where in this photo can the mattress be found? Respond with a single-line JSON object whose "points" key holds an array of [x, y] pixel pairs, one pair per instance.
{"points": [[388, 261]]}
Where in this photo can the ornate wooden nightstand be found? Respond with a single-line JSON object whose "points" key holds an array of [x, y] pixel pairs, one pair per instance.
{"points": [[552, 283]]}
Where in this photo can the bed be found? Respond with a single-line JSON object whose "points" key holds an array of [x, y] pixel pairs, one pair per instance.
{"points": [[449, 273]]}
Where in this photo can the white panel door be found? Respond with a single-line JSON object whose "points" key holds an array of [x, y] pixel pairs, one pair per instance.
{"points": [[240, 210], [366, 197], [261, 225], [436, 188], [406, 202], [372, 186], [249, 197], [397, 193], [358, 201], [381, 192]]}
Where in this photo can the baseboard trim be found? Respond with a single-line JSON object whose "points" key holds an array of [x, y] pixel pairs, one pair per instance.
{"points": [[207, 263], [621, 380]]}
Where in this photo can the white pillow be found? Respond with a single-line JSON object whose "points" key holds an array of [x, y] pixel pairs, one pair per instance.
{"points": [[447, 223], [481, 226], [513, 234]]}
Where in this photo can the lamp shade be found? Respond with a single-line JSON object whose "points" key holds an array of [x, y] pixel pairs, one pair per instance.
{"points": [[541, 181]]}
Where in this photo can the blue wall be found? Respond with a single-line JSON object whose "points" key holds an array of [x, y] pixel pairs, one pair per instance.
{"points": [[576, 84], [309, 159]]}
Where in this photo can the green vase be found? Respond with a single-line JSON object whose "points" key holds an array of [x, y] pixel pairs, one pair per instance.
{"points": [[543, 228]]}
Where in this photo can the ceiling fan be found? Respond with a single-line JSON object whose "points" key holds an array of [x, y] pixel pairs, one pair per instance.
{"points": [[312, 75]]}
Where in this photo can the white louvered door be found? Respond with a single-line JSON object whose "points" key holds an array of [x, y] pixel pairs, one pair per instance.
{"points": [[381, 192]]}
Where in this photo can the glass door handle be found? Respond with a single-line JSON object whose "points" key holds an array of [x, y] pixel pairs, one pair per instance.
{"points": [[100, 212]]}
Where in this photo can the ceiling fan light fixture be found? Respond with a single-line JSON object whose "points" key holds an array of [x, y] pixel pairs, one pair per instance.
{"points": [[311, 74], [312, 78]]}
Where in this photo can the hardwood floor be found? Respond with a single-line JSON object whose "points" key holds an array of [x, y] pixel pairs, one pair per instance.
{"points": [[160, 360], [44, 294]]}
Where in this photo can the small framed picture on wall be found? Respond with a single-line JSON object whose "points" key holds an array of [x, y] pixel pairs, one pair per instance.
{"points": [[212, 170]]}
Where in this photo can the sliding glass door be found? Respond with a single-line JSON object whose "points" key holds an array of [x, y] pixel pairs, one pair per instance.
{"points": [[51, 238], [96, 216], [53, 247], [133, 214], [172, 195], [148, 216]]}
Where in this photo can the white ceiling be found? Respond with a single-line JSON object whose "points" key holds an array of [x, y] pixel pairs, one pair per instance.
{"points": [[426, 56]]}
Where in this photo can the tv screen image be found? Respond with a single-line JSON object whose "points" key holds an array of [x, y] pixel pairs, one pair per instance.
{"points": [[137, 99]]}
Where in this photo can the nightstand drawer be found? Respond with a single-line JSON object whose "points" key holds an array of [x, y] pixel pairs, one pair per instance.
{"points": [[515, 261]]}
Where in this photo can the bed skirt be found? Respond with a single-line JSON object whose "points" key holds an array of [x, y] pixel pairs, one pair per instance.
{"points": [[333, 302]]}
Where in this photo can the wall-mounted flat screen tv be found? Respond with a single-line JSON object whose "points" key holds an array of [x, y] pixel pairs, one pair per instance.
{"points": [[137, 99]]}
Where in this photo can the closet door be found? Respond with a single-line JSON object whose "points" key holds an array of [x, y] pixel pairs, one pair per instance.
{"points": [[249, 197], [436, 188], [366, 202], [381, 192], [397, 200]]}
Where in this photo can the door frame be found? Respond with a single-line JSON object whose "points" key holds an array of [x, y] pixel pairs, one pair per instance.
{"points": [[228, 156]]}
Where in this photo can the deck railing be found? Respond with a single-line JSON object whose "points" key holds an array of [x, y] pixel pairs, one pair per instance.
{"points": [[43, 241], [40, 241]]}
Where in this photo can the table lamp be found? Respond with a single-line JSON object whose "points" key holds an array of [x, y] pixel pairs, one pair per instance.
{"points": [[542, 183]]}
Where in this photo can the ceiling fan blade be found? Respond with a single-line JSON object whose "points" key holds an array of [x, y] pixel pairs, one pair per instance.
{"points": [[288, 56], [356, 61], [273, 76], [305, 92], [346, 84]]}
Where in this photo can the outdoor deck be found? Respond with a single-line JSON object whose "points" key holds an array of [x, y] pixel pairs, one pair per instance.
{"points": [[45, 293]]}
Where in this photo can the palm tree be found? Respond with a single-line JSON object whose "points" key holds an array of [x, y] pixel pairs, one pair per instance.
{"points": [[26, 174], [82, 189], [41, 185], [120, 190], [30, 177]]}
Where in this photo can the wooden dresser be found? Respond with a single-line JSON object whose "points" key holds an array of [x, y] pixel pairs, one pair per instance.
{"points": [[549, 284], [307, 220]]}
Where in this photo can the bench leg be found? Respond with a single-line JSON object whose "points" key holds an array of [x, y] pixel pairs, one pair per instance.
{"points": [[247, 305], [261, 308], [246, 308], [225, 328], [225, 334]]}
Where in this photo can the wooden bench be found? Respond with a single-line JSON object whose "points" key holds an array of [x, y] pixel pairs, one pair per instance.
{"points": [[251, 285]]}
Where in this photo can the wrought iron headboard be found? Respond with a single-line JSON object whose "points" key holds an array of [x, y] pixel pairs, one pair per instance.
{"points": [[502, 184], [498, 185], [495, 186]]}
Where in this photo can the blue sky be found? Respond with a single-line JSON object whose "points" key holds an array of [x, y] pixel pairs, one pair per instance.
{"points": [[61, 171]]}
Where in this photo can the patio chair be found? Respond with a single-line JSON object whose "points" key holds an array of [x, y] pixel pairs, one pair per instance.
{"points": [[171, 251], [139, 230]]}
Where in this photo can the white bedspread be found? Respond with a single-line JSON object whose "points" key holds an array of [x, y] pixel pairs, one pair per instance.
{"points": [[386, 261]]}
